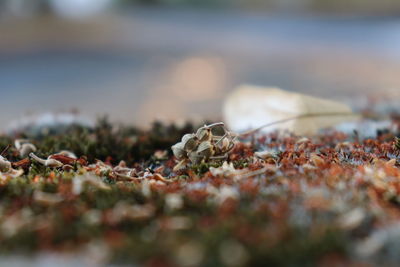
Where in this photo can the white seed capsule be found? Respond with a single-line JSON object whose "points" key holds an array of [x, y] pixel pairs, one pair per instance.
{"points": [[203, 145], [205, 149], [194, 157], [189, 142], [178, 150], [222, 143], [203, 133]]}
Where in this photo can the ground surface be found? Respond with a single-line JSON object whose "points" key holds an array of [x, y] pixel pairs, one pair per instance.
{"points": [[279, 199]]}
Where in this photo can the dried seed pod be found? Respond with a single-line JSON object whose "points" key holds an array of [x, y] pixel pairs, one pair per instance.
{"points": [[205, 149], [189, 142], [222, 144], [194, 157], [178, 150], [204, 145], [5, 165], [204, 133]]}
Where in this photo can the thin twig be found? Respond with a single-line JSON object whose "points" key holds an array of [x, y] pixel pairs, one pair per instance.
{"points": [[309, 115], [225, 135], [5, 150]]}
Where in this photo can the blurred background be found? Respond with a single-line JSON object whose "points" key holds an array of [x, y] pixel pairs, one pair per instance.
{"points": [[177, 59]]}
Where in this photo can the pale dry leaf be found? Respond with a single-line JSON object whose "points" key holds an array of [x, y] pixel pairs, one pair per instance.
{"points": [[250, 107]]}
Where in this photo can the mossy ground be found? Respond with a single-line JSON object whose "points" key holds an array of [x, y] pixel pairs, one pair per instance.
{"points": [[291, 210]]}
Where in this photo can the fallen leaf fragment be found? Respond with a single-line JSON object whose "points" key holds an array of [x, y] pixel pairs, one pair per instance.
{"points": [[250, 107]]}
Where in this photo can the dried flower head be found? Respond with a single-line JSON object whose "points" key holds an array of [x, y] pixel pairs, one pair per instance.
{"points": [[203, 146]]}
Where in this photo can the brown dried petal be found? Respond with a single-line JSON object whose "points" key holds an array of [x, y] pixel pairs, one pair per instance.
{"points": [[24, 164], [63, 159]]}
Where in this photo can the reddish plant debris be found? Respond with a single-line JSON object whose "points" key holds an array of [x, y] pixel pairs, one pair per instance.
{"points": [[279, 199]]}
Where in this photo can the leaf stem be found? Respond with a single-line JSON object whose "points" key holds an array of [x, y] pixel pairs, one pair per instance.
{"points": [[307, 115]]}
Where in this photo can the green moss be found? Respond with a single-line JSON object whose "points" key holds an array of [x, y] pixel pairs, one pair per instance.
{"points": [[203, 167], [106, 141]]}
